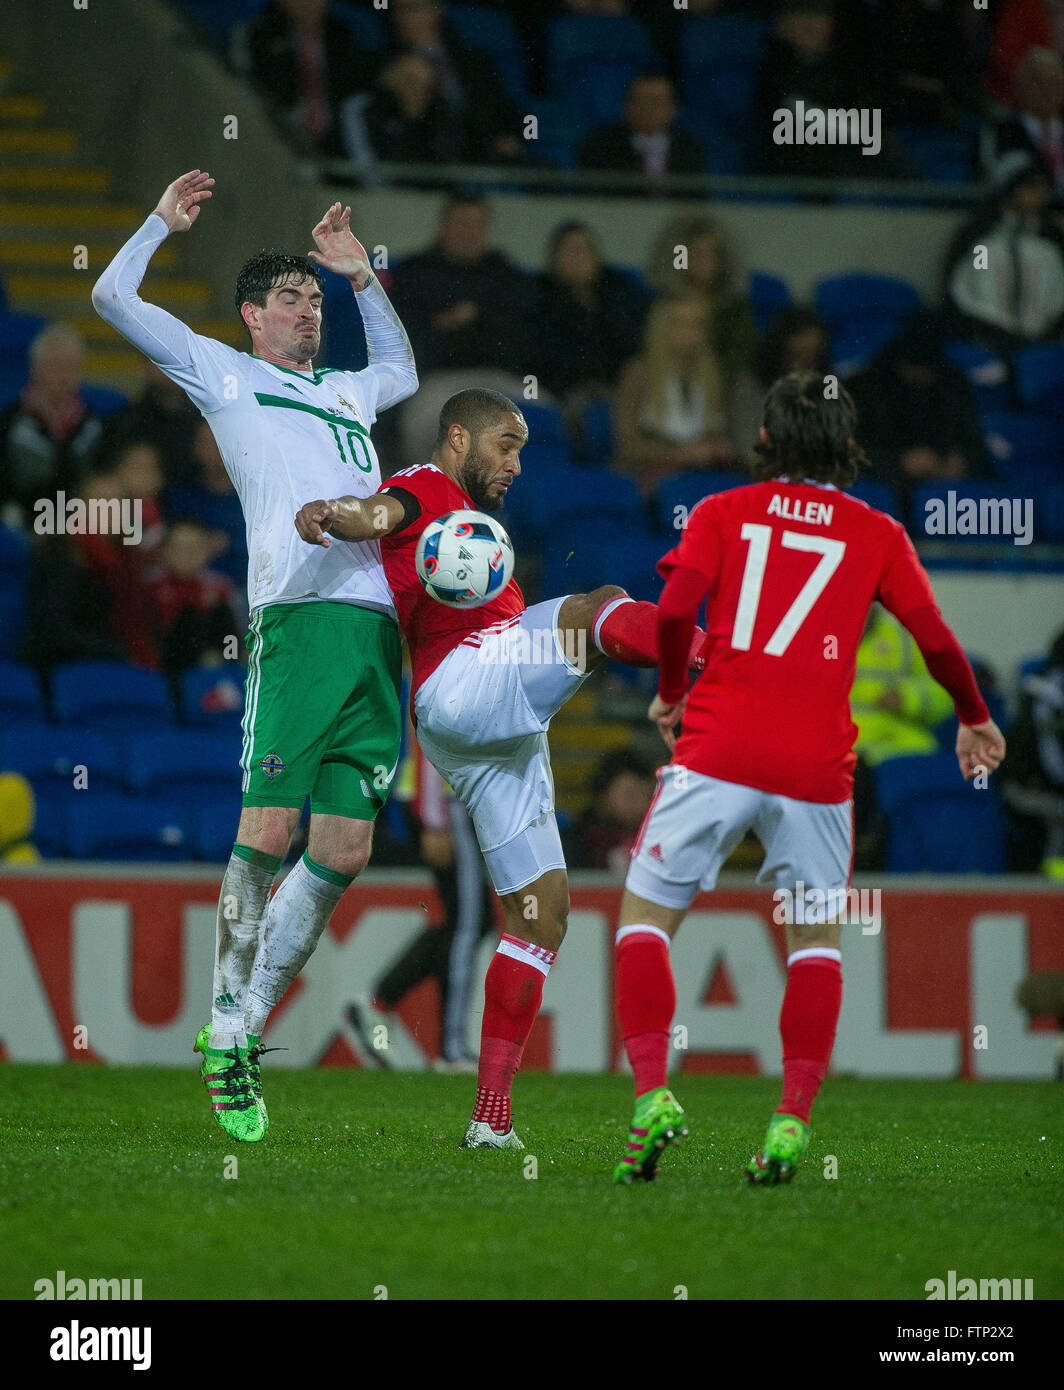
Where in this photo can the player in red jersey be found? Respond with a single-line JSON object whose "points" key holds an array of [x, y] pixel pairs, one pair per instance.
{"points": [[486, 683], [790, 565]]}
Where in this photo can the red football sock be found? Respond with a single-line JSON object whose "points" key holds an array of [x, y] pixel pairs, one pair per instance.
{"points": [[808, 1020], [627, 630], [646, 1002], [513, 992]]}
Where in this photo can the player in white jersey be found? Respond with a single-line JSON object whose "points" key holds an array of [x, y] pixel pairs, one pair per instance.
{"points": [[322, 690]]}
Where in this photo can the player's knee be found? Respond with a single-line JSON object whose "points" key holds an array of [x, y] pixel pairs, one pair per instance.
{"points": [[267, 829], [597, 597]]}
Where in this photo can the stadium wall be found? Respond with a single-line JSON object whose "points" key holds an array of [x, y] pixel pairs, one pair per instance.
{"points": [[124, 954]]}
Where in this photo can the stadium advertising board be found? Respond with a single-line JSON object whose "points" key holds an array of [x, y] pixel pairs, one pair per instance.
{"points": [[115, 967]]}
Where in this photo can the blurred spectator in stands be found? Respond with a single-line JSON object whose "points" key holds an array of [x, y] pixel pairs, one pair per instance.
{"points": [[798, 340], [467, 308], [1035, 127], [1033, 778], [693, 255], [807, 61], [916, 416], [163, 415], [923, 58], [137, 469], [1004, 269], [69, 602], [49, 437], [1019, 25], [18, 811], [602, 837], [895, 701], [478, 107], [669, 408], [306, 65], [214, 503], [406, 119], [645, 142], [588, 320], [191, 603]]}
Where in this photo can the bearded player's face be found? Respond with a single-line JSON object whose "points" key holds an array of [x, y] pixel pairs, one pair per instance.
{"points": [[291, 320], [494, 461]]}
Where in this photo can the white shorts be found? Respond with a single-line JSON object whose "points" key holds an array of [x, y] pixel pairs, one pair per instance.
{"points": [[482, 719], [694, 823]]}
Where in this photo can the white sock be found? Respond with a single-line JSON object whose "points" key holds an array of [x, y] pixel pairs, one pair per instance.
{"points": [[298, 914], [241, 909]]}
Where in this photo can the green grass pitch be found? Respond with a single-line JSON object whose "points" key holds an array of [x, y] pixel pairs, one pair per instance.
{"points": [[360, 1184]]}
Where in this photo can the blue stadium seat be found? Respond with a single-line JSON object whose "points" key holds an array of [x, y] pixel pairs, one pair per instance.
{"points": [[560, 499], [591, 58], [105, 403], [13, 607], [560, 128], [589, 554], [840, 299], [546, 424], [878, 495], [938, 823], [212, 831], [597, 431], [216, 20], [855, 344], [115, 826], [21, 698], [975, 489], [945, 156], [110, 695], [719, 63], [686, 490], [1049, 514], [213, 698], [1031, 666], [13, 376], [14, 555], [368, 25], [987, 374], [769, 296], [49, 833], [47, 756], [1040, 375], [496, 34], [184, 765], [1027, 449]]}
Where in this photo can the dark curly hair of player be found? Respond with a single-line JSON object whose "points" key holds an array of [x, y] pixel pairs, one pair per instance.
{"points": [[268, 269], [809, 431]]}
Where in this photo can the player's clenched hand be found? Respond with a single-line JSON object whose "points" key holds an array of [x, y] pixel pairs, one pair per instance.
{"points": [[179, 205], [666, 717], [979, 745], [338, 248], [314, 518]]}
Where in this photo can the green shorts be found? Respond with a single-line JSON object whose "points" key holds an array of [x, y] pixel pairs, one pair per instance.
{"points": [[321, 708]]}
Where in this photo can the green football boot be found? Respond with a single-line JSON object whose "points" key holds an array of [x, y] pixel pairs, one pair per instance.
{"points": [[785, 1143], [658, 1122], [255, 1051], [227, 1077]]}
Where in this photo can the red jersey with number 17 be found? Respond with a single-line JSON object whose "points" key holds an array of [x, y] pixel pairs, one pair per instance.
{"points": [[432, 630], [792, 571]]}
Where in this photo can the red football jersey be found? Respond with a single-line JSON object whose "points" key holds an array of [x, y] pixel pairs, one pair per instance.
{"points": [[793, 569], [432, 629]]}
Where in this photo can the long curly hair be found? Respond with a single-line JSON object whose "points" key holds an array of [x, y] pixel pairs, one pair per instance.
{"points": [[809, 432]]}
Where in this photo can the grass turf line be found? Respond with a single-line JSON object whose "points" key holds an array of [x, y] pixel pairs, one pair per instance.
{"points": [[360, 1183]]}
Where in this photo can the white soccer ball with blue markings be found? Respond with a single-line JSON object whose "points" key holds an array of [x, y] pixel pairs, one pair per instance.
{"points": [[464, 559]]}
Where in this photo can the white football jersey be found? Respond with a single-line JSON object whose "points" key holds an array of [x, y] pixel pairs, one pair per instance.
{"points": [[286, 436]]}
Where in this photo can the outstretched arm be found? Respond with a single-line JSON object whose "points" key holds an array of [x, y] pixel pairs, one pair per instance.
{"points": [[158, 334], [349, 518], [391, 358]]}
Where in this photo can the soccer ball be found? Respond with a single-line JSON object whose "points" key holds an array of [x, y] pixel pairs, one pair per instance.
{"points": [[464, 559]]}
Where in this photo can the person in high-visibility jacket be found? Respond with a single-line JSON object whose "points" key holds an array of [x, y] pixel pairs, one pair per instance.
{"points": [[895, 702], [18, 812]]}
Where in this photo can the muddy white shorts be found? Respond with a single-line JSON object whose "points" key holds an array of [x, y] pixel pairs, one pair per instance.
{"points": [[482, 720], [694, 822]]}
